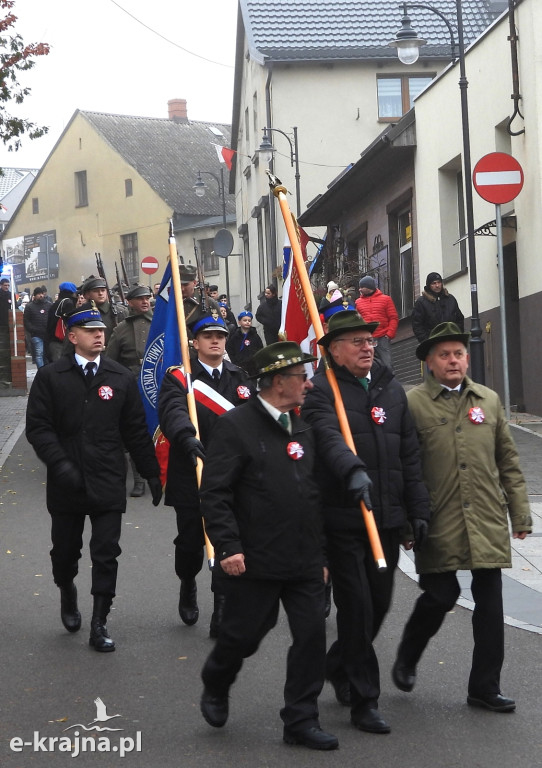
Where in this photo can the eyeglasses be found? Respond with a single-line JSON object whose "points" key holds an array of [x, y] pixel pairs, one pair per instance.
{"points": [[304, 375], [360, 342]]}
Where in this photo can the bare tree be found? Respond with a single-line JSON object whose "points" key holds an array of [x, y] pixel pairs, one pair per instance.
{"points": [[15, 57]]}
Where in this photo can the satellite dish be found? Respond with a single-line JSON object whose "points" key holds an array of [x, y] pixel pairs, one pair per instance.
{"points": [[223, 243]]}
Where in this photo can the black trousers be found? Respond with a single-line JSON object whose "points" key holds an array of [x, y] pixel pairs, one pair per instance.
{"points": [[362, 595], [67, 538], [189, 542], [250, 610], [440, 592]]}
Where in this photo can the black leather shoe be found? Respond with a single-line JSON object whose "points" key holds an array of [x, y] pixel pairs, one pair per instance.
{"points": [[403, 676], [342, 690], [69, 612], [369, 719], [495, 702], [214, 708], [313, 738], [99, 636], [188, 603]]}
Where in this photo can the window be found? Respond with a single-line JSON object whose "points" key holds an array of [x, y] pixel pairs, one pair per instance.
{"points": [[247, 131], [81, 194], [128, 187], [452, 218], [396, 94], [401, 262], [131, 255], [209, 259], [35, 205]]}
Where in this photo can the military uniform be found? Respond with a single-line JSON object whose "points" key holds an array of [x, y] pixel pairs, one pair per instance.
{"points": [[112, 315]]}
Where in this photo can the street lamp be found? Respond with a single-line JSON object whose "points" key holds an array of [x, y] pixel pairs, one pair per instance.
{"points": [[266, 151], [199, 189], [408, 43]]}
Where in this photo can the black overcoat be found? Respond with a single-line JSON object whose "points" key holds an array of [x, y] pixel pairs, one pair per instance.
{"points": [[259, 495], [181, 487], [91, 427], [386, 445]]}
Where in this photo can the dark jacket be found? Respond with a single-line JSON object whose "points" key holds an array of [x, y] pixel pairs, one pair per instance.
{"points": [[241, 348], [431, 309], [35, 318], [65, 303], [269, 314], [181, 488], [90, 427], [257, 500], [388, 450]]}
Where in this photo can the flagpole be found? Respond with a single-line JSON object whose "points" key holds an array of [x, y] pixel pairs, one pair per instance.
{"points": [[280, 193], [185, 355]]}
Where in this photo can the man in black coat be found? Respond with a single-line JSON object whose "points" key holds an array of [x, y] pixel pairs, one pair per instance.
{"points": [[269, 314], [262, 513], [82, 410], [386, 474], [433, 307], [35, 324], [218, 386]]}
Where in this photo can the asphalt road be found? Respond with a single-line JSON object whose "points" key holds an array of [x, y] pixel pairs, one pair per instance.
{"points": [[50, 678]]}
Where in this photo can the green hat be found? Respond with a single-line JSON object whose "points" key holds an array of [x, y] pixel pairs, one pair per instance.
{"points": [[138, 291], [349, 320], [441, 332], [188, 273], [275, 357], [93, 283]]}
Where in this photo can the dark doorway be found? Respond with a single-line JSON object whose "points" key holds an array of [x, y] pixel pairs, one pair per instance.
{"points": [[513, 329]]}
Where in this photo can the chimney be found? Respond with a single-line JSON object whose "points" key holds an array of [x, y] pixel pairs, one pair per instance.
{"points": [[177, 110]]}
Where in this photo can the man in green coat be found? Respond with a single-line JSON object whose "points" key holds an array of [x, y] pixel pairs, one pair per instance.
{"points": [[471, 469]]}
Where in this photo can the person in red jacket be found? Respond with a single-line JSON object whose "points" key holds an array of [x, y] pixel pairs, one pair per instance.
{"points": [[376, 307]]}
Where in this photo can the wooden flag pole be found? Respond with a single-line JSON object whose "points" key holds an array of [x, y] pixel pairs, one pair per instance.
{"points": [[291, 227], [185, 355]]}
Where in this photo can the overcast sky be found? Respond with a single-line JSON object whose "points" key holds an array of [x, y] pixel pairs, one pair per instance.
{"points": [[104, 60]]}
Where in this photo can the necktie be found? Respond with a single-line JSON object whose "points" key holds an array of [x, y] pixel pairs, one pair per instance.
{"points": [[364, 383], [89, 372], [216, 375], [283, 421]]}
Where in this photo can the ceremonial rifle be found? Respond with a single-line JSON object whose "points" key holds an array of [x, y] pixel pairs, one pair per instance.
{"points": [[201, 276], [101, 272], [291, 226], [123, 267], [185, 354], [119, 283]]}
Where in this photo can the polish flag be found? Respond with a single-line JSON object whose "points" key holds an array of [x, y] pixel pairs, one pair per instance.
{"points": [[296, 324], [225, 155]]}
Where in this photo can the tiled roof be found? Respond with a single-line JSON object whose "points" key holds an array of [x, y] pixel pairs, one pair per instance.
{"points": [[11, 177], [168, 154], [286, 30]]}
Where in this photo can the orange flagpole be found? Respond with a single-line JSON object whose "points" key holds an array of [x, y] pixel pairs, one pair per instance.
{"points": [[185, 355], [280, 193]]}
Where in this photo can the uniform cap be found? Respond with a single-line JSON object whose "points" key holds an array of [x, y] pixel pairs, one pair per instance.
{"points": [[209, 322], [85, 316], [188, 273], [138, 291], [92, 283]]}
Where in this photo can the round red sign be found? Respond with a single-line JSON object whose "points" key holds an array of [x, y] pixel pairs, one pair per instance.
{"points": [[149, 265], [498, 177]]}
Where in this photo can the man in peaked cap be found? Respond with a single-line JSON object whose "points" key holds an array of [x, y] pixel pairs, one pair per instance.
{"points": [[95, 289], [386, 475], [82, 411], [261, 507], [127, 346], [218, 386], [471, 468]]}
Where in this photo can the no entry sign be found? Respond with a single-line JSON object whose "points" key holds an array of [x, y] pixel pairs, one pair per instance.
{"points": [[498, 177], [149, 265]]}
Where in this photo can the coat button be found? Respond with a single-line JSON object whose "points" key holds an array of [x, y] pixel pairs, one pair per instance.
{"points": [[458, 429], [444, 421], [462, 466]]}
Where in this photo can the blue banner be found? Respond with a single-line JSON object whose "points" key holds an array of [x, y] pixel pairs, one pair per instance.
{"points": [[162, 351]]}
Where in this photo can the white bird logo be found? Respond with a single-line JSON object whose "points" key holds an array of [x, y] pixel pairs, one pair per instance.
{"points": [[101, 712]]}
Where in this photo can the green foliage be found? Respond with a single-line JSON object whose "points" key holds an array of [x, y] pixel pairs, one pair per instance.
{"points": [[15, 57]]}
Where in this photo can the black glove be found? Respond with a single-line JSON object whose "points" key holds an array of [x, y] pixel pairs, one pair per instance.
{"points": [[419, 529], [359, 484], [156, 490], [68, 476], [193, 448]]}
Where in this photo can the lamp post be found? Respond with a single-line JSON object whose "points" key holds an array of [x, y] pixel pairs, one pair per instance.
{"points": [[408, 44], [266, 151], [199, 189]]}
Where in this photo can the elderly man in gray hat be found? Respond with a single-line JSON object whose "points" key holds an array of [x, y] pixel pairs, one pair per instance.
{"points": [[471, 468], [127, 346]]}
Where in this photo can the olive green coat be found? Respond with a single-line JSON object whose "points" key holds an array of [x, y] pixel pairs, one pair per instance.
{"points": [[472, 472]]}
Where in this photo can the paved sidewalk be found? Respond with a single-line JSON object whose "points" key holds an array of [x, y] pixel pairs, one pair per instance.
{"points": [[522, 584]]}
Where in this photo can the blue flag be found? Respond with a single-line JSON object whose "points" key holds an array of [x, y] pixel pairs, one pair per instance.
{"points": [[162, 351]]}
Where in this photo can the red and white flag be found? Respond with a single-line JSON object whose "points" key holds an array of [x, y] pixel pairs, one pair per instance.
{"points": [[296, 323], [225, 155]]}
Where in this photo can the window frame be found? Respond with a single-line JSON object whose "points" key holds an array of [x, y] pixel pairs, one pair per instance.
{"points": [[405, 92]]}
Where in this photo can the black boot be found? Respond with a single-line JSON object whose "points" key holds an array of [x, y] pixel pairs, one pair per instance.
{"points": [[69, 612], [216, 618], [188, 601], [99, 636], [139, 483]]}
